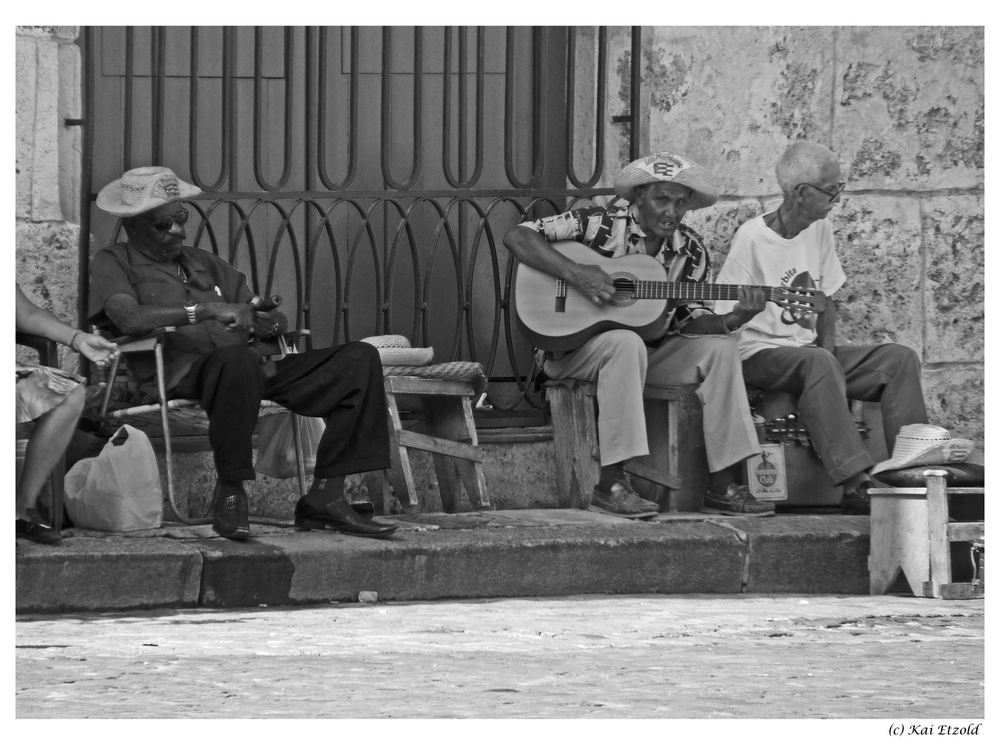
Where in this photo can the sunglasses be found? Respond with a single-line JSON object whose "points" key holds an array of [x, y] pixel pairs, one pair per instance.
{"points": [[166, 223], [832, 196]]}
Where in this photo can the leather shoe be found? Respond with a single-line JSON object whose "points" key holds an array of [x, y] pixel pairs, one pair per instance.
{"points": [[857, 502], [231, 516], [338, 516], [34, 529]]}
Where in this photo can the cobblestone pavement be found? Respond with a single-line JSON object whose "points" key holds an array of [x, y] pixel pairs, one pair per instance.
{"points": [[635, 657]]}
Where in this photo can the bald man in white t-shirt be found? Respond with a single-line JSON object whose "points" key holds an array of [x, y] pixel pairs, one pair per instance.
{"points": [[796, 352]]}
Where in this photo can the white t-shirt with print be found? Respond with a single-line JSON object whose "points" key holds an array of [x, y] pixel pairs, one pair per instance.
{"points": [[760, 256]]}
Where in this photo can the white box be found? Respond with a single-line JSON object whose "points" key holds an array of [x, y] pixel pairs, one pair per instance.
{"points": [[766, 476]]}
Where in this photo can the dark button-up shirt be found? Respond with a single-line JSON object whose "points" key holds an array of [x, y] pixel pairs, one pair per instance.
{"points": [[123, 269]]}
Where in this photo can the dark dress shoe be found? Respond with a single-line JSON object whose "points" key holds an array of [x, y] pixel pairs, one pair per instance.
{"points": [[36, 530], [338, 516], [231, 516], [857, 502]]}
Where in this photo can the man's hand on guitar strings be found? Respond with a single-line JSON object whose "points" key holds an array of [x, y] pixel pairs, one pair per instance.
{"points": [[593, 282]]}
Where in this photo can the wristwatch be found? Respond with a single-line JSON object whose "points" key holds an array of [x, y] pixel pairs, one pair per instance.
{"points": [[189, 308]]}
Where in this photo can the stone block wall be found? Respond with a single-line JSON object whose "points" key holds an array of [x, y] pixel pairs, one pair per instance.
{"points": [[48, 161], [903, 107]]}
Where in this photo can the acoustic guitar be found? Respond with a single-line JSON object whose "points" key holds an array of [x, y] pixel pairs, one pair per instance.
{"points": [[555, 317]]}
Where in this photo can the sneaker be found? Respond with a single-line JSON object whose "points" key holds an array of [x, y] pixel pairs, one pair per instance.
{"points": [[622, 501], [736, 502], [231, 517]]}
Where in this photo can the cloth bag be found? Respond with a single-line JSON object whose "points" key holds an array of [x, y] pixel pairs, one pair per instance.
{"points": [[119, 489], [276, 444]]}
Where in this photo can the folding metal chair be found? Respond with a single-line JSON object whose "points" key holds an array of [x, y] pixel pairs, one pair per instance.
{"points": [[176, 416]]}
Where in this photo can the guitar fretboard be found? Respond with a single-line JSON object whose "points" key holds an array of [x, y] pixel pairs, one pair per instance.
{"points": [[673, 290]]}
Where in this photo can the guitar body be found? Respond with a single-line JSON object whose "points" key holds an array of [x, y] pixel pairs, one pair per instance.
{"points": [[555, 317]]}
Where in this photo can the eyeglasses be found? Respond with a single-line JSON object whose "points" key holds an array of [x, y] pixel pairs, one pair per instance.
{"points": [[832, 196], [166, 223]]}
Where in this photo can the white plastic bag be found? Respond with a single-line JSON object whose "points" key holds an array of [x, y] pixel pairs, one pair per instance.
{"points": [[119, 489], [276, 445]]}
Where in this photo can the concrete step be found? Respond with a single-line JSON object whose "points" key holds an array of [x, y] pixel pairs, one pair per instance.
{"points": [[501, 553]]}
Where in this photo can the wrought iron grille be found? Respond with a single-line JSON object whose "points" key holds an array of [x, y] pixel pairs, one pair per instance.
{"points": [[365, 174]]}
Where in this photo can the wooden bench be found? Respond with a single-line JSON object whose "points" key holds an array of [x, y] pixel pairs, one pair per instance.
{"points": [[673, 475], [445, 392]]}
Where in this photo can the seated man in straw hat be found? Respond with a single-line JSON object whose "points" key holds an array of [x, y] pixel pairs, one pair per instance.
{"points": [[798, 353], [154, 280], [695, 347]]}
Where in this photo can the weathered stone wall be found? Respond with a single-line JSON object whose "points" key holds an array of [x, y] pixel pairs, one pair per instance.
{"points": [[904, 110], [903, 107], [48, 91]]}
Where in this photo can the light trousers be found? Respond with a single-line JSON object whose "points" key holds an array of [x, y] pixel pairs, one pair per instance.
{"points": [[621, 364]]}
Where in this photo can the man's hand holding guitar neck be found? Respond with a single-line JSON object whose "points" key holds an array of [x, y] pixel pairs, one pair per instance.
{"points": [[533, 250]]}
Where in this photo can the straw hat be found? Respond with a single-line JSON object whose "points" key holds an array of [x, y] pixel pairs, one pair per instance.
{"points": [[396, 351], [142, 189], [927, 445], [664, 167]]}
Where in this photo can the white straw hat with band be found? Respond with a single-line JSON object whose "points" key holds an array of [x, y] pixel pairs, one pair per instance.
{"points": [[664, 167], [928, 445], [142, 189], [395, 351]]}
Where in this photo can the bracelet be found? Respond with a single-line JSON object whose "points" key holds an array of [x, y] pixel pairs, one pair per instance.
{"points": [[72, 339]]}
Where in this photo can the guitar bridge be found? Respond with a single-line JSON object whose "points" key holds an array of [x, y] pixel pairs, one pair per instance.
{"points": [[560, 296]]}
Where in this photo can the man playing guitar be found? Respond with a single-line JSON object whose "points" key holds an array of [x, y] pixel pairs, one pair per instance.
{"points": [[693, 347]]}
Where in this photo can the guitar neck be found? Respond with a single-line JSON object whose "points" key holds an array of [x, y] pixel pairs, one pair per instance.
{"points": [[691, 290]]}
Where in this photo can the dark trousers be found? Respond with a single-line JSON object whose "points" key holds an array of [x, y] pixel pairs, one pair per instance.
{"points": [[343, 385], [885, 373]]}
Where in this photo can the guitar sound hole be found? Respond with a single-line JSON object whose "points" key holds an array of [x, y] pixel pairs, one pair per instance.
{"points": [[624, 290]]}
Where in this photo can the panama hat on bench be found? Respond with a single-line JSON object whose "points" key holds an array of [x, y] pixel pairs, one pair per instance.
{"points": [[142, 189], [928, 445], [395, 351]]}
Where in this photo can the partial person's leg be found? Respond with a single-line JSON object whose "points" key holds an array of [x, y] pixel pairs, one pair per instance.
{"points": [[890, 375], [712, 363], [816, 376], [344, 385], [49, 439], [228, 383], [616, 361]]}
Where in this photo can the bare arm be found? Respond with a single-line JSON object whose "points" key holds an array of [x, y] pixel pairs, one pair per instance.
{"points": [[134, 319], [29, 318], [826, 326], [533, 250]]}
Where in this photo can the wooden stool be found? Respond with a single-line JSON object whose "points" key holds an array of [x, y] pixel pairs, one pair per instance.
{"points": [[911, 533], [673, 475], [445, 392]]}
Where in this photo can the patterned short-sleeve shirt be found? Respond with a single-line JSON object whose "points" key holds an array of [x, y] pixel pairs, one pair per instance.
{"points": [[615, 231]]}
